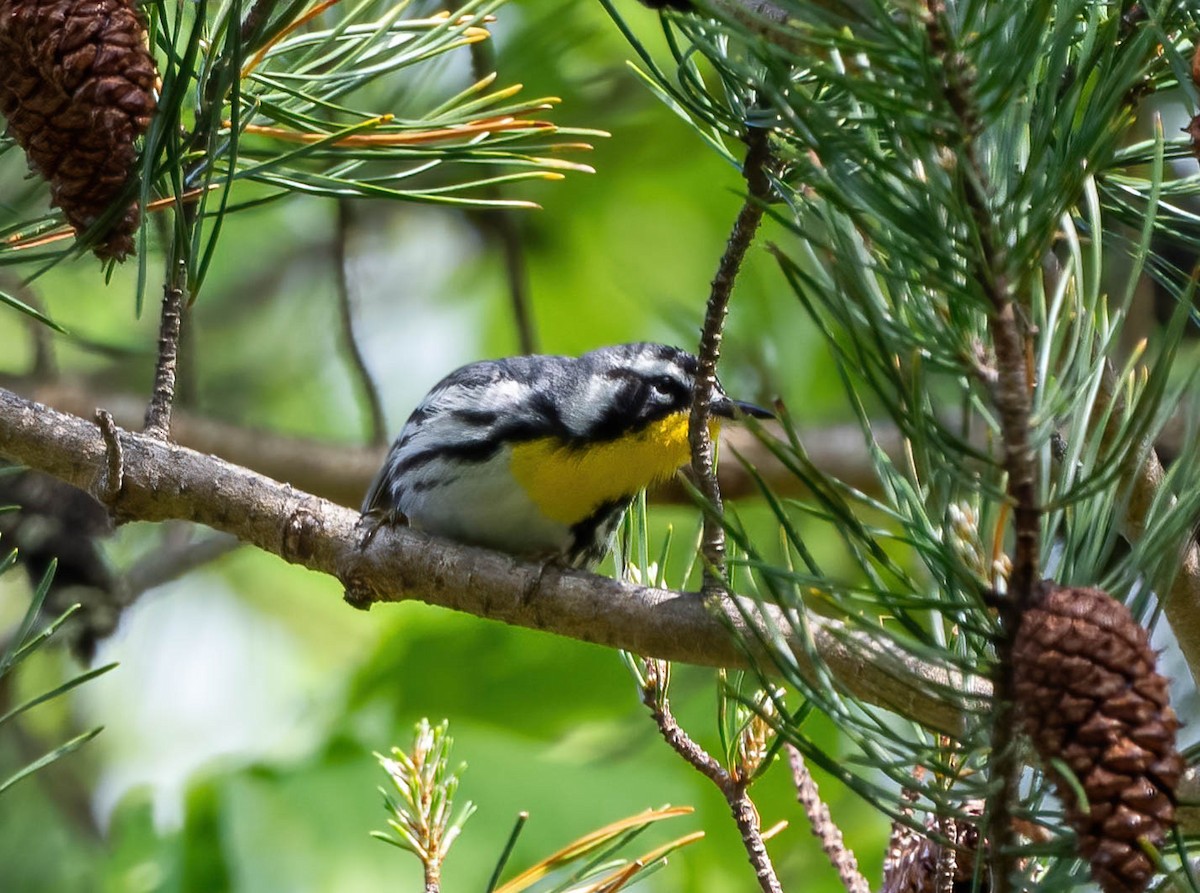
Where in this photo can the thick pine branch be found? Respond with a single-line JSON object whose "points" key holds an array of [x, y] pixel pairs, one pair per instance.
{"points": [[162, 481]]}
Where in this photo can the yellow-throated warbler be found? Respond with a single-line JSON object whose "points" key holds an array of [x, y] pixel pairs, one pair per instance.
{"points": [[540, 456]]}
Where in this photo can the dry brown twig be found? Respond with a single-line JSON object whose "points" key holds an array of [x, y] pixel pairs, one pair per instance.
{"points": [[755, 170], [733, 783], [841, 857], [114, 475]]}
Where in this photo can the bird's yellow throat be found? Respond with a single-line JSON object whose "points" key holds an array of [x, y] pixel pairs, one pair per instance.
{"points": [[568, 483]]}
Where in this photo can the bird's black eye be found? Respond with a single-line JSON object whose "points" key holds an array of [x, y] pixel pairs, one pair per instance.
{"points": [[664, 385]]}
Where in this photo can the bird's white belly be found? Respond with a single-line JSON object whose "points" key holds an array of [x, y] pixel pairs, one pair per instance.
{"points": [[482, 505]]}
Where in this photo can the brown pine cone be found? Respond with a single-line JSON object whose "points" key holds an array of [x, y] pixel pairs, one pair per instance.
{"points": [[78, 87], [1088, 694], [916, 863]]}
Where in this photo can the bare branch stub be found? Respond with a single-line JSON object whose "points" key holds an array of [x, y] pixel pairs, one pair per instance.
{"points": [[114, 476]]}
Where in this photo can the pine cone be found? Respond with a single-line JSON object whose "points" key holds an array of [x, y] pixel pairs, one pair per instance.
{"points": [[916, 862], [1088, 694], [78, 87]]}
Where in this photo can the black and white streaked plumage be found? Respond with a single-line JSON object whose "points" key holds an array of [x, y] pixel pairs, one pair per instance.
{"points": [[540, 456]]}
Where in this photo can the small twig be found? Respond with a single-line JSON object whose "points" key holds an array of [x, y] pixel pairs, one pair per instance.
{"points": [[176, 290], [654, 696], [745, 816], [186, 384], [158, 413], [758, 156], [114, 477], [733, 785], [501, 225], [823, 827], [377, 433]]}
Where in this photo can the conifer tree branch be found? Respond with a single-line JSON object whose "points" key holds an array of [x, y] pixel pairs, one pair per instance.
{"points": [[1010, 388], [163, 481]]}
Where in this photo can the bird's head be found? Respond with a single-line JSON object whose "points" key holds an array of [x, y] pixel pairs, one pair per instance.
{"points": [[623, 389]]}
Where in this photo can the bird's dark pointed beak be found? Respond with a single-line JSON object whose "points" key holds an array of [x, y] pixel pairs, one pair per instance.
{"points": [[725, 408]]}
